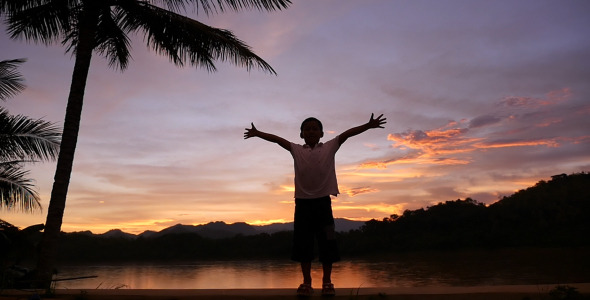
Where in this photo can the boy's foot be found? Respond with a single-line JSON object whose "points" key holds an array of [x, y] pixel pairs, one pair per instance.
{"points": [[304, 290], [328, 290]]}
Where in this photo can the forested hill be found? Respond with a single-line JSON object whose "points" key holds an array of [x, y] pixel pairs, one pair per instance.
{"points": [[551, 213]]}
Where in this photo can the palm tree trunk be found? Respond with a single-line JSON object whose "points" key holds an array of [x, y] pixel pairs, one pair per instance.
{"points": [[49, 243]]}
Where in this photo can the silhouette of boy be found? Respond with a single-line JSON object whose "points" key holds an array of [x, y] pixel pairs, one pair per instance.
{"points": [[315, 181]]}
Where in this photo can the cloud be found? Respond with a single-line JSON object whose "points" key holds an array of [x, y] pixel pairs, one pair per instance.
{"points": [[516, 143], [359, 190], [552, 98], [383, 208], [484, 120]]}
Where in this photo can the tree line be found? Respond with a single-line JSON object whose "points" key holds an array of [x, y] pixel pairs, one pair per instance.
{"points": [[549, 214]]}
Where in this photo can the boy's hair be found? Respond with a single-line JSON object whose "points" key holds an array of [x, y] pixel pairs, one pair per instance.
{"points": [[312, 119]]}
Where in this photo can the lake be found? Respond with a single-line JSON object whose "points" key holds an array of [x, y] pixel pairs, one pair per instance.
{"points": [[463, 268]]}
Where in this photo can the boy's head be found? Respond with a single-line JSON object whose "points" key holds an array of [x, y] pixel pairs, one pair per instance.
{"points": [[311, 130], [312, 119]]}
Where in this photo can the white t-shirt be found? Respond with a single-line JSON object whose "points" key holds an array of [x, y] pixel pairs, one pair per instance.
{"points": [[315, 170]]}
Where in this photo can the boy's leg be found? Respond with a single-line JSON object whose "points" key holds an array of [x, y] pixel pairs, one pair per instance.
{"points": [[327, 286], [303, 242], [306, 271], [329, 253], [327, 267], [305, 289], [328, 247], [326, 236]]}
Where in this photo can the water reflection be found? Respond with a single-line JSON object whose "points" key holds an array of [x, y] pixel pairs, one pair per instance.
{"points": [[434, 269], [210, 275]]}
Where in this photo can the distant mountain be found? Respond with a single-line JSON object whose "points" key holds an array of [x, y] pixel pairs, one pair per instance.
{"points": [[220, 230], [342, 225], [276, 227], [215, 230], [117, 233], [345, 225], [148, 234]]}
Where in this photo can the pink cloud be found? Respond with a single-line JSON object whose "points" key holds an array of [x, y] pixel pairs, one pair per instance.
{"points": [[553, 97]]}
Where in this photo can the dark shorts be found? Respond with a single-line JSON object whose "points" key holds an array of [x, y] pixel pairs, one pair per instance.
{"points": [[314, 221]]}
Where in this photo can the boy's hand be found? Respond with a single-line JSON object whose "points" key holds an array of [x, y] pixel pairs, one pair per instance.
{"points": [[375, 123], [251, 132]]}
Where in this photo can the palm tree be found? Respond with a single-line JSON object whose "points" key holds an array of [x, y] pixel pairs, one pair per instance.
{"points": [[22, 140], [102, 26]]}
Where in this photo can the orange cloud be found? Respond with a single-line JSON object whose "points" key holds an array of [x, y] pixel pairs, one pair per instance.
{"points": [[373, 165], [266, 222], [360, 190], [287, 188], [434, 142], [445, 145], [581, 139], [388, 209], [135, 227], [506, 144], [398, 175], [423, 159], [548, 123]]}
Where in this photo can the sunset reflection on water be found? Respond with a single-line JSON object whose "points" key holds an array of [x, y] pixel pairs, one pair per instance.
{"points": [[457, 268], [213, 275]]}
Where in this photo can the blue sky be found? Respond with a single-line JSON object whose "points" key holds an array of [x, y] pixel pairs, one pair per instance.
{"points": [[482, 98]]}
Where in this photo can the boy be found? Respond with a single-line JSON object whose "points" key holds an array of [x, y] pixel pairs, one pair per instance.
{"points": [[315, 181]]}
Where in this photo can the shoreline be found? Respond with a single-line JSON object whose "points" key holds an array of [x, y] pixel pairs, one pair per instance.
{"points": [[504, 292]]}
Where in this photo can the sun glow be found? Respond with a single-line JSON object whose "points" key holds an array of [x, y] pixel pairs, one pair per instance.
{"points": [[287, 188], [134, 227], [388, 209], [266, 222]]}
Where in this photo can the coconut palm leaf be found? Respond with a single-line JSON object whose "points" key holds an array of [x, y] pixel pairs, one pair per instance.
{"points": [[183, 39], [41, 21], [23, 138], [11, 81], [16, 190]]}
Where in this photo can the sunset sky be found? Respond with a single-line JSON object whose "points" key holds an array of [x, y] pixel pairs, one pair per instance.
{"points": [[482, 99]]}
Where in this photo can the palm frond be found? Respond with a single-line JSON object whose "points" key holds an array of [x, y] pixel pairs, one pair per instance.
{"points": [[219, 6], [112, 42], [43, 21], [183, 39], [11, 81], [25, 138], [16, 191], [238, 5]]}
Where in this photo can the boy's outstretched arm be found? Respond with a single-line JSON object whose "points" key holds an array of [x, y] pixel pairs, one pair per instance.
{"points": [[373, 123], [253, 132]]}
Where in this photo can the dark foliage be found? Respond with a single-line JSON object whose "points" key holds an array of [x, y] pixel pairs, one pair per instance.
{"points": [[84, 247], [16, 246], [549, 214]]}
